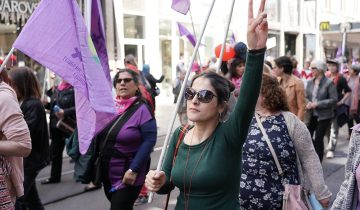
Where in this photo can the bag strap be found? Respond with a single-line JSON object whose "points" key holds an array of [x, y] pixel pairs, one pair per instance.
{"points": [[269, 145], [116, 127], [183, 130]]}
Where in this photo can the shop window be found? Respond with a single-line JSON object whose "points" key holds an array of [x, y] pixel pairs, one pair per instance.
{"points": [[134, 5], [134, 26], [165, 27], [273, 10], [131, 49], [290, 44], [274, 50]]}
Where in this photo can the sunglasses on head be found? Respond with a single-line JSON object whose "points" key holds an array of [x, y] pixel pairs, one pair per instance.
{"points": [[126, 80], [204, 96]]}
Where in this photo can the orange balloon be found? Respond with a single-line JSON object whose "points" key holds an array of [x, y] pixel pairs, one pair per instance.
{"points": [[229, 52]]}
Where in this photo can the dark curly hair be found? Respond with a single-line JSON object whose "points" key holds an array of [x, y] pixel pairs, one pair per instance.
{"points": [[274, 96]]}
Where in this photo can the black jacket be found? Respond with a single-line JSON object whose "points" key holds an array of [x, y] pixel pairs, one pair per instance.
{"points": [[65, 99], [35, 117]]}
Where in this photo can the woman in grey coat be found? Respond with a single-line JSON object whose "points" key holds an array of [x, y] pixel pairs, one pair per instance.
{"points": [[322, 97]]}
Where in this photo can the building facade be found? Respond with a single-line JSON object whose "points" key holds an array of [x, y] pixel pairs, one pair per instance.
{"points": [[148, 29]]}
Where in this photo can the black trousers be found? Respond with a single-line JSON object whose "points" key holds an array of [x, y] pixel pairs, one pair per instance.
{"points": [[319, 127], [123, 199], [30, 200], [56, 152]]}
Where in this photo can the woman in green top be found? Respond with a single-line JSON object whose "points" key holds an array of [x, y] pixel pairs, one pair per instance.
{"points": [[207, 166]]}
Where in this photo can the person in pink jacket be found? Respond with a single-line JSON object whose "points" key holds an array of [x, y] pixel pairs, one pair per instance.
{"points": [[15, 143]]}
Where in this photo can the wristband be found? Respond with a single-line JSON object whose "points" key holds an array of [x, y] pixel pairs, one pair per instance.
{"points": [[131, 171], [257, 51]]}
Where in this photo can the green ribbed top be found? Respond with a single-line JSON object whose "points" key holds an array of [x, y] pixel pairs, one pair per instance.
{"points": [[215, 183]]}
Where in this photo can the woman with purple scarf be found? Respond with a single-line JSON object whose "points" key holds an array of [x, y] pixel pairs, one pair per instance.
{"points": [[127, 143]]}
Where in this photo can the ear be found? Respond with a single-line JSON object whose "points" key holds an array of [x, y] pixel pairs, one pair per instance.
{"points": [[222, 107]]}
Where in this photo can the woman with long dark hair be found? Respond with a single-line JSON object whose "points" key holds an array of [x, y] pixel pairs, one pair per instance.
{"points": [[28, 93]]}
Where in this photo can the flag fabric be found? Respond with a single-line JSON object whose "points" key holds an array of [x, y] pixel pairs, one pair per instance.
{"points": [[181, 6], [184, 32], [338, 53], [56, 36], [97, 33], [232, 39]]}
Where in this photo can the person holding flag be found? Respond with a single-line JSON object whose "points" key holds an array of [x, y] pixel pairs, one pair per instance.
{"points": [[195, 164]]}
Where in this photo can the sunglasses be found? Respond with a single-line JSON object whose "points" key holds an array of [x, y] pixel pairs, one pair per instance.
{"points": [[126, 80], [204, 96]]}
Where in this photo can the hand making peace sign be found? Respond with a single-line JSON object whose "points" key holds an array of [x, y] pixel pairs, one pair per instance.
{"points": [[257, 32]]}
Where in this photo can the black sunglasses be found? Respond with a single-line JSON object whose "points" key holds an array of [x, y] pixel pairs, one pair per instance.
{"points": [[204, 96], [126, 80]]}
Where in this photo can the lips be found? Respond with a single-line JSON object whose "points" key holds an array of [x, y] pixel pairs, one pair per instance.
{"points": [[194, 110]]}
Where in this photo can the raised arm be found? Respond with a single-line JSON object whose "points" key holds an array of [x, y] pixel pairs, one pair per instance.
{"points": [[239, 121]]}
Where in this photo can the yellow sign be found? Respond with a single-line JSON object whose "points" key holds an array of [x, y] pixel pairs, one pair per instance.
{"points": [[324, 26]]}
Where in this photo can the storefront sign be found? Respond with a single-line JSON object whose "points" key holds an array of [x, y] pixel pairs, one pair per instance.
{"points": [[325, 26], [12, 11], [17, 6]]}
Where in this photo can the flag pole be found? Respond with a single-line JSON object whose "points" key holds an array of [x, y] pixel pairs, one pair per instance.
{"points": [[88, 4], [6, 59], [163, 150], [45, 83], [226, 33], [193, 27]]}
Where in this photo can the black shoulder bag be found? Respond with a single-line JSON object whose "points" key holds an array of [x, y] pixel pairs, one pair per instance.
{"points": [[112, 133]]}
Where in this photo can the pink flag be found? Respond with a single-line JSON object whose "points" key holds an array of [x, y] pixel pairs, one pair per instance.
{"points": [[181, 6], [56, 36]]}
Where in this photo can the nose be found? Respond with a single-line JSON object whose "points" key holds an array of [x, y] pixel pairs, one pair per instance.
{"points": [[195, 100]]}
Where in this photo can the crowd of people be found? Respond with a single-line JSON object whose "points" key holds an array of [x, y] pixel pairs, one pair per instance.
{"points": [[265, 120]]}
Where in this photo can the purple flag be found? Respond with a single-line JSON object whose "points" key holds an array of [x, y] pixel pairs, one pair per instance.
{"points": [[232, 39], [181, 6], [184, 32], [56, 36], [98, 37], [338, 53]]}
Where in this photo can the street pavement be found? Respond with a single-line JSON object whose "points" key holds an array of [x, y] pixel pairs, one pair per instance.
{"points": [[70, 195]]}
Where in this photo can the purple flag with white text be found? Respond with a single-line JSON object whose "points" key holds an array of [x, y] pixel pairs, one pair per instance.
{"points": [[181, 6], [184, 32], [56, 36], [98, 37]]}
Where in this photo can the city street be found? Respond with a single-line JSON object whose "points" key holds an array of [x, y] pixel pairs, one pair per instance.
{"points": [[71, 195]]}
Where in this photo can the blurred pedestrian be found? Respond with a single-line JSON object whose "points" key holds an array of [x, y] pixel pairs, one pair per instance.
{"points": [[62, 108], [28, 93], [196, 166], [144, 85], [155, 91], [15, 143], [237, 69], [289, 138], [343, 93], [293, 86], [321, 98], [353, 100], [179, 80]]}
